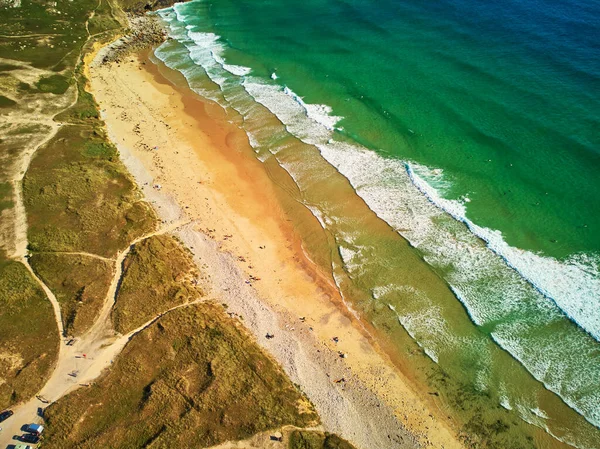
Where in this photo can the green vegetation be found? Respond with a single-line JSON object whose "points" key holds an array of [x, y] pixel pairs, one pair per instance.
{"points": [[82, 199], [28, 343], [6, 102], [55, 84], [6, 196], [86, 109], [302, 439], [158, 275], [204, 382], [45, 35], [80, 284], [103, 19], [7, 67]]}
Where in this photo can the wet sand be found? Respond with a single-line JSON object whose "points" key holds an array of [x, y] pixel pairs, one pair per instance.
{"points": [[192, 164]]}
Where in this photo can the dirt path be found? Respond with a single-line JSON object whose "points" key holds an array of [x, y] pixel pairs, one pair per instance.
{"points": [[265, 440], [79, 253]]}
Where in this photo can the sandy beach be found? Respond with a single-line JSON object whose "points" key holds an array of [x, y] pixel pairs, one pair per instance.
{"points": [[193, 166]]}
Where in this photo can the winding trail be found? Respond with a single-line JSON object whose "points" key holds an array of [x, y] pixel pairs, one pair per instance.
{"points": [[78, 253]]}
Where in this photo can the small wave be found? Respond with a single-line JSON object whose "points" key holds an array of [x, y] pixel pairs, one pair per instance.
{"points": [[574, 284], [320, 113]]}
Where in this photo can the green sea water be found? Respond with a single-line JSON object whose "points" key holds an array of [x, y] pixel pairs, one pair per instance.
{"points": [[467, 135]]}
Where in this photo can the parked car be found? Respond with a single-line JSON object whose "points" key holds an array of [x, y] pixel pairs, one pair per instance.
{"points": [[5, 415], [30, 438], [36, 429], [23, 446]]}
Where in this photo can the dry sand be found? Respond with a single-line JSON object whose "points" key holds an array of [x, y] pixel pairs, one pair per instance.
{"points": [[191, 167]]}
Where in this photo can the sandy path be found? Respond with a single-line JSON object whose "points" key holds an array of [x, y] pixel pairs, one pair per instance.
{"points": [[240, 237], [78, 253]]}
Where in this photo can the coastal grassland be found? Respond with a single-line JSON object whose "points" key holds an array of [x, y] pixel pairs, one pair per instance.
{"points": [[85, 110], [204, 382], [158, 274], [80, 284], [6, 196], [46, 34], [303, 439], [90, 200], [103, 19], [41, 44], [79, 198], [28, 343]]}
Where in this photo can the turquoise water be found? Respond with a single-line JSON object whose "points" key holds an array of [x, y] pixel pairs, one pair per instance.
{"points": [[472, 130]]}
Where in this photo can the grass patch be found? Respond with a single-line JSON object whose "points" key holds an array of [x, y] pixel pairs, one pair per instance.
{"points": [[81, 199], [80, 284], [157, 275], [43, 34], [301, 439], [29, 338], [6, 102], [55, 84], [100, 150], [8, 67], [204, 382], [86, 109], [103, 19], [25, 87], [6, 195]]}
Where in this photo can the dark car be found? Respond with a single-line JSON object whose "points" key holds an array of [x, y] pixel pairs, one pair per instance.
{"points": [[5, 415], [30, 438]]}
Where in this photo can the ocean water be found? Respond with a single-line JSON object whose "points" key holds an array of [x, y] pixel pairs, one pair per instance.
{"points": [[451, 152]]}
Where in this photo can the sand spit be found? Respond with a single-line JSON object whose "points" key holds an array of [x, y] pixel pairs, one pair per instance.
{"points": [[250, 261]]}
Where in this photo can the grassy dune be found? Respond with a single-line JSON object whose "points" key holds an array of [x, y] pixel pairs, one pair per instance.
{"points": [[157, 275], [205, 381], [28, 337], [80, 284], [80, 198]]}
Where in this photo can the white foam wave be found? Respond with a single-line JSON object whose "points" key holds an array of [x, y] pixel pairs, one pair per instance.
{"points": [[320, 113], [574, 285], [238, 70]]}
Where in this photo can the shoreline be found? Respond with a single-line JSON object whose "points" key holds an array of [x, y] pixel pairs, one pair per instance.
{"points": [[238, 224]]}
